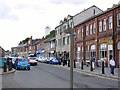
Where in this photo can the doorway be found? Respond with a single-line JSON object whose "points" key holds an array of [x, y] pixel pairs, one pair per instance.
{"points": [[110, 53]]}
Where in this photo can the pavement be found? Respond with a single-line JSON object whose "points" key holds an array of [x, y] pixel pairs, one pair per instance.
{"points": [[96, 72], [8, 72]]}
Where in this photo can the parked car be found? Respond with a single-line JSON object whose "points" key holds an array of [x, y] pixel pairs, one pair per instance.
{"points": [[47, 60], [41, 59], [22, 64], [54, 60], [33, 60]]}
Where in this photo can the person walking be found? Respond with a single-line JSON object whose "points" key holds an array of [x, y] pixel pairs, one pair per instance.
{"points": [[112, 65], [93, 62]]}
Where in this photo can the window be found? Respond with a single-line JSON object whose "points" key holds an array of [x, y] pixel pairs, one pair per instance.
{"points": [[87, 30], [68, 40], [104, 25], [100, 26], [78, 33], [91, 29], [103, 51], [63, 40], [92, 51], [59, 42], [118, 19], [110, 22], [78, 53], [94, 28], [82, 52], [87, 52], [64, 27], [82, 32]]}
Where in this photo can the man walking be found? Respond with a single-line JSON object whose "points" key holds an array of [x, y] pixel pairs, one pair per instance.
{"points": [[93, 62], [112, 65]]}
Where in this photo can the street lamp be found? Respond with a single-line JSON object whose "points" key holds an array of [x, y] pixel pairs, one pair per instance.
{"points": [[70, 31]]}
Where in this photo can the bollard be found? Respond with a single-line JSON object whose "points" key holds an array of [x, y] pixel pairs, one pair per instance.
{"points": [[82, 64], [74, 64], [103, 71], [10, 65], [5, 67], [91, 68], [63, 62], [68, 63]]}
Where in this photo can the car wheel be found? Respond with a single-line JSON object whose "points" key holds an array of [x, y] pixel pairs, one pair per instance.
{"points": [[28, 68]]}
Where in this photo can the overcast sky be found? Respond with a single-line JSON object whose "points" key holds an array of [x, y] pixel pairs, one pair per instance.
{"points": [[20, 19]]}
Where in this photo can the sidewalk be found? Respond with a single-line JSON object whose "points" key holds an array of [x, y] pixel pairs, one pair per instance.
{"points": [[96, 72], [2, 73]]}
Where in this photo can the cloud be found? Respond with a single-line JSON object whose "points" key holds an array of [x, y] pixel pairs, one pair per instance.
{"points": [[68, 1], [5, 13]]}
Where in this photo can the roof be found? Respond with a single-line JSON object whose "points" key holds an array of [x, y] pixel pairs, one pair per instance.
{"points": [[108, 10]]}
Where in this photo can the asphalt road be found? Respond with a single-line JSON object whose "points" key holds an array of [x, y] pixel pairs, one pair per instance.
{"points": [[49, 76]]}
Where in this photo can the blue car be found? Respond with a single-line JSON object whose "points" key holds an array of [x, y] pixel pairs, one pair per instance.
{"points": [[22, 64], [53, 60]]}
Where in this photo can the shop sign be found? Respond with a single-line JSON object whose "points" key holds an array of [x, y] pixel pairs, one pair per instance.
{"points": [[111, 42]]}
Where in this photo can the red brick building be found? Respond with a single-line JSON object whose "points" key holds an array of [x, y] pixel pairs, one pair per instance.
{"points": [[99, 36]]}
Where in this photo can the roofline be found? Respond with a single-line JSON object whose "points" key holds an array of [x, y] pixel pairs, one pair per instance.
{"points": [[79, 13], [98, 15], [86, 10], [63, 23]]}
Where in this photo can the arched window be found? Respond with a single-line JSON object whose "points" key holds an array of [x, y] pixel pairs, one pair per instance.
{"points": [[92, 50], [103, 50]]}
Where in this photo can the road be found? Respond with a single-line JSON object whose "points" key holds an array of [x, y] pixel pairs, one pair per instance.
{"points": [[50, 76]]}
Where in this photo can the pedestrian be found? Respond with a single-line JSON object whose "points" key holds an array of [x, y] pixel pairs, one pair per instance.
{"points": [[93, 62], [112, 65]]}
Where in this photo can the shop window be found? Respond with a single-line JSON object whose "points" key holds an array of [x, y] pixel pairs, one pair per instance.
{"points": [[103, 51], [78, 52], [82, 49], [92, 51], [87, 52]]}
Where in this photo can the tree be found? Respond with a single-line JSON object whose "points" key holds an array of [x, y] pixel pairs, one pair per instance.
{"points": [[51, 35]]}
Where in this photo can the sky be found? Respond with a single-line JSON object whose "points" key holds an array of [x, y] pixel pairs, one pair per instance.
{"points": [[20, 19]]}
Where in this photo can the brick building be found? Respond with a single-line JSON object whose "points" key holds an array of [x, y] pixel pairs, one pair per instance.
{"points": [[99, 36]]}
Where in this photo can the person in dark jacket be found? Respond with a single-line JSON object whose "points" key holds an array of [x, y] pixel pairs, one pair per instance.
{"points": [[93, 62]]}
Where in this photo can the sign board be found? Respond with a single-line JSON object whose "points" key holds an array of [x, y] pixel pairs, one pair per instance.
{"points": [[118, 45], [110, 42]]}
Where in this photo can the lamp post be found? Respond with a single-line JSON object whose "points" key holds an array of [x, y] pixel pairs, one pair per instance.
{"points": [[70, 31]]}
